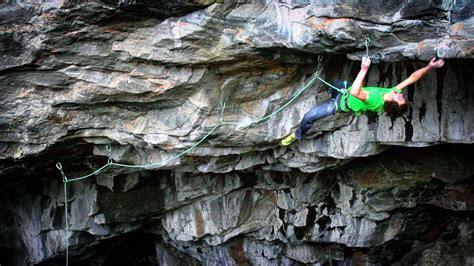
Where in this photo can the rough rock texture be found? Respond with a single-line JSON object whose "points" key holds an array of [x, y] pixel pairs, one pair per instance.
{"points": [[149, 77]]}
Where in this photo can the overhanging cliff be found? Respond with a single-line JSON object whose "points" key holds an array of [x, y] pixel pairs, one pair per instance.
{"points": [[148, 78]]}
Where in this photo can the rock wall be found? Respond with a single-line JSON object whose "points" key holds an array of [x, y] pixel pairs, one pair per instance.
{"points": [[148, 78]]}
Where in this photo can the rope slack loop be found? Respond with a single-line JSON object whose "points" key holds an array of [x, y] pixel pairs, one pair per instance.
{"points": [[221, 122]]}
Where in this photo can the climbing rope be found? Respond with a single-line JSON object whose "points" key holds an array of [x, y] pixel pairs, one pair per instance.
{"points": [[221, 122], [65, 181]]}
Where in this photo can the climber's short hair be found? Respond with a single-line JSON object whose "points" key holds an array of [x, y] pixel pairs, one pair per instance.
{"points": [[394, 110]]}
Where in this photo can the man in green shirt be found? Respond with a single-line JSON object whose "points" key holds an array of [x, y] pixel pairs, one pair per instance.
{"points": [[360, 99]]}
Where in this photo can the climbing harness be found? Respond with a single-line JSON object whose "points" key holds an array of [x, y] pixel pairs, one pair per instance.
{"points": [[221, 122]]}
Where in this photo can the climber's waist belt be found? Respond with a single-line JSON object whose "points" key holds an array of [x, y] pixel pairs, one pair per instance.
{"points": [[344, 108]]}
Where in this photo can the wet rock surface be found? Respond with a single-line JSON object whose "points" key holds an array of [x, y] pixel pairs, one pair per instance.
{"points": [[148, 78]]}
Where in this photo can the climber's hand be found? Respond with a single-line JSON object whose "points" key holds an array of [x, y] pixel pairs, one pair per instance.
{"points": [[365, 62], [436, 63]]}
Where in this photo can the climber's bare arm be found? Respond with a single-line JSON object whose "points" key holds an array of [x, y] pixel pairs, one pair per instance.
{"points": [[417, 75], [356, 89]]}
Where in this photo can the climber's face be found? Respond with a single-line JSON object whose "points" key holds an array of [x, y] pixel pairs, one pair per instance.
{"points": [[398, 98]]}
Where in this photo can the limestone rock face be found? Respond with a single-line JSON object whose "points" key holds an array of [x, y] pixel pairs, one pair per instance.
{"points": [[178, 86]]}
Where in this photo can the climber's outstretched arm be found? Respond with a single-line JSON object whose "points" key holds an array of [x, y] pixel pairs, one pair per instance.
{"points": [[356, 89], [417, 75]]}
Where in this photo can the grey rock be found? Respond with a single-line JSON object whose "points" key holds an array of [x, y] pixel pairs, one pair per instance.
{"points": [[148, 78]]}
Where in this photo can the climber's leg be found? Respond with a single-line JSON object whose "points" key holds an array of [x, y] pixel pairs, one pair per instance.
{"points": [[333, 93], [323, 110]]}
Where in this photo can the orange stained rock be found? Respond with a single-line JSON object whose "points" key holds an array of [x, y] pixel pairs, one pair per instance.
{"points": [[63, 117], [238, 254], [358, 258], [48, 16], [24, 92], [70, 116], [199, 222], [240, 35], [459, 193], [313, 23], [182, 24], [469, 51], [271, 195], [16, 28], [316, 24], [251, 108], [368, 179], [262, 88], [420, 46], [168, 147], [162, 84], [73, 34], [329, 21], [457, 27], [240, 31], [130, 125], [114, 28]]}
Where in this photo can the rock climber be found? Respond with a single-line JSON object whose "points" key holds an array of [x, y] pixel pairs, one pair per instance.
{"points": [[360, 99]]}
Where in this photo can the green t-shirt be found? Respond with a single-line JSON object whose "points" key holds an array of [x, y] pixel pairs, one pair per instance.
{"points": [[374, 103]]}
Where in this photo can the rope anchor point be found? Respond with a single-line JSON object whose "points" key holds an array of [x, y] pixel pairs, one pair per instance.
{"points": [[60, 168], [367, 41], [109, 154]]}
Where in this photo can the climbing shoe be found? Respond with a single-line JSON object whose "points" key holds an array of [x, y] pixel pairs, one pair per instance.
{"points": [[288, 139]]}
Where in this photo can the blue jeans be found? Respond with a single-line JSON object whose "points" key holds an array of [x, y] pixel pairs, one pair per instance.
{"points": [[321, 111]]}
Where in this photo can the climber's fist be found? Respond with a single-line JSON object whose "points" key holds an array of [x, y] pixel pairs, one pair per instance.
{"points": [[365, 62]]}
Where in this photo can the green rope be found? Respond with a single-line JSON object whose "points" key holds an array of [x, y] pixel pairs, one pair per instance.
{"points": [[65, 181], [221, 122], [172, 158], [289, 102], [67, 223], [160, 164], [264, 118], [91, 174]]}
